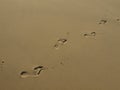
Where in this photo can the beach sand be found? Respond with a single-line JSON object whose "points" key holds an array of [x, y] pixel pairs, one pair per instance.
{"points": [[77, 41]]}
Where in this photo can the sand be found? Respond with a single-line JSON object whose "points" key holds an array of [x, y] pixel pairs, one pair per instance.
{"points": [[77, 41]]}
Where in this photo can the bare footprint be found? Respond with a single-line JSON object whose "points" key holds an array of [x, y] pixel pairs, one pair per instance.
{"points": [[60, 42], [38, 69], [2, 62], [32, 73], [28, 74], [92, 34], [117, 19], [103, 21], [86, 35]]}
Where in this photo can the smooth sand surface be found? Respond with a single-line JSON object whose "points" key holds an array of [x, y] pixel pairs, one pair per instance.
{"points": [[78, 41]]}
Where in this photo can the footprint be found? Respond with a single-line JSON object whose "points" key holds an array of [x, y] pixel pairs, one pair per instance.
{"points": [[2, 62], [61, 63], [86, 35], [38, 69], [56, 46], [60, 42], [24, 74], [89, 34], [103, 21], [28, 74], [93, 33], [117, 19], [32, 73]]}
